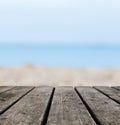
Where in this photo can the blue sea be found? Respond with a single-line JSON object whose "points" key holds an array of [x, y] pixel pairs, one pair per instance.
{"points": [[63, 55]]}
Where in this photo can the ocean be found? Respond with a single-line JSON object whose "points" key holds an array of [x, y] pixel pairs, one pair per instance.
{"points": [[60, 55]]}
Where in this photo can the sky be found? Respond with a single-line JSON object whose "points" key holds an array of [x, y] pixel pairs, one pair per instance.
{"points": [[87, 22], [45, 21]]}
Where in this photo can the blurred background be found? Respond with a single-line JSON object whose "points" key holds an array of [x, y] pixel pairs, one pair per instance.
{"points": [[50, 42]]}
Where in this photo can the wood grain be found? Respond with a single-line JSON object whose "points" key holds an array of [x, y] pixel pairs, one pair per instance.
{"points": [[105, 110], [117, 87], [8, 98], [29, 110], [68, 109], [110, 92], [5, 88]]}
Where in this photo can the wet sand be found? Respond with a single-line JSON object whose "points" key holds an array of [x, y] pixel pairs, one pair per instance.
{"points": [[30, 75]]}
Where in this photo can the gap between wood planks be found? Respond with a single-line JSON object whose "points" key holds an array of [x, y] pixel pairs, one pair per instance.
{"points": [[116, 88], [46, 114], [47, 111], [88, 108], [106, 94], [15, 101], [7, 89]]}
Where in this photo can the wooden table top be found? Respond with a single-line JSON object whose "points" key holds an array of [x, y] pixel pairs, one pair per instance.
{"points": [[59, 105]]}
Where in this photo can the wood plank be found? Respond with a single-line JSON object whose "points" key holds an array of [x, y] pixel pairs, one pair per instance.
{"points": [[68, 109], [110, 92], [105, 110], [116, 87], [5, 88], [9, 97], [29, 110]]}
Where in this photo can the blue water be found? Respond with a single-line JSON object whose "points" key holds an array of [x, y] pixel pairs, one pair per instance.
{"points": [[65, 55]]}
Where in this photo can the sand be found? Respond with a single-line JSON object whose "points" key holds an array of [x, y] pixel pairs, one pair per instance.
{"points": [[30, 75]]}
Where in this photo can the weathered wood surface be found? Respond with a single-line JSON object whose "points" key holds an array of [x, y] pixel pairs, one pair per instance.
{"points": [[118, 88], [5, 88], [68, 109], [29, 110], [104, 109], [9, 97], [64, 106], [110, 92]]}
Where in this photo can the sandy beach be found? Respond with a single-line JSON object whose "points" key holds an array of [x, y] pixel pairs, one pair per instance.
{"points": [[30, 75]]}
